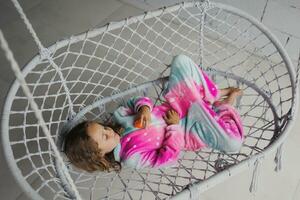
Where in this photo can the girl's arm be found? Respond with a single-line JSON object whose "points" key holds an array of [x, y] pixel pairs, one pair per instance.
{"points": [[172, 145], [172, 117], [142, 106], [143, 117], [165, 155], [173, 141], [169, 149], [135, 103]]}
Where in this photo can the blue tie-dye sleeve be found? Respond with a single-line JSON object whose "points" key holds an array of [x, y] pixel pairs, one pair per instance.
{"points": [[135, 103]]}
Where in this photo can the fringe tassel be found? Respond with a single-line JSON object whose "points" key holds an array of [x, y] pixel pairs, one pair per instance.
{"points": [[255, 175], [278, 159], [194, 193]]}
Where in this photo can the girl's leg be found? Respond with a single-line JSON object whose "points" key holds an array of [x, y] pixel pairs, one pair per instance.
{"points": [[224, 134], [188, 92], [183, 69], [187, 84]]}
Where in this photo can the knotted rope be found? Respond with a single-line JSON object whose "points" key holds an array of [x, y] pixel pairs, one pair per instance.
{"points": [[20, 78], [255, 175], [45, 54]]}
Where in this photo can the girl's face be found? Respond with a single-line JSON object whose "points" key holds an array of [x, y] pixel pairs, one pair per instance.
{"points": [[105, 137]]}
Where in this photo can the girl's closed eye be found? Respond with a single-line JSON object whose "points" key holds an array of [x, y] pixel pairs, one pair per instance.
{"points": [[104, 137]]}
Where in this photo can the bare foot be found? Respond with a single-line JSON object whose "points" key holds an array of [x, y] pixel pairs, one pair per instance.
{"points": [[233, 94], [236, 91]]}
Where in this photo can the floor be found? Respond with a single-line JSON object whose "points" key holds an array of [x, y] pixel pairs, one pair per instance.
{"points": [[55, 19]]}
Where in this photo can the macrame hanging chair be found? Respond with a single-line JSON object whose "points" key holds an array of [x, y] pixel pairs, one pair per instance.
{"points": [[86, 77]]}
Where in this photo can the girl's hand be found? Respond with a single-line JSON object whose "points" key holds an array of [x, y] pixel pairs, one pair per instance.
{"points": [[143, 117], [171, 117]]}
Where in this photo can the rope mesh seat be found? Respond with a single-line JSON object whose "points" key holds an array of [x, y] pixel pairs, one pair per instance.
{"points": [[86, 77]]}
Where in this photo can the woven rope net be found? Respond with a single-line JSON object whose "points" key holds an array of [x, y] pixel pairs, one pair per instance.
{"points": [[90, 75]]}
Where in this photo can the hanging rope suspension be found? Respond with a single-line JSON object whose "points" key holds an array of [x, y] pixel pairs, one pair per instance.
{"points": [[45, 53], [15, 67], [86, 77]]}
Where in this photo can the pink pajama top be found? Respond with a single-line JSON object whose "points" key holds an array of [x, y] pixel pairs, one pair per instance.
{"points": [[191, 94]]}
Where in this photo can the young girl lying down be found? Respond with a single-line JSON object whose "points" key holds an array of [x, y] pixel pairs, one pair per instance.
{"points": [[195, 115]]}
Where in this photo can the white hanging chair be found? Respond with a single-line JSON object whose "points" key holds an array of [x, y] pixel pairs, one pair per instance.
{"points": [[89, 75]]}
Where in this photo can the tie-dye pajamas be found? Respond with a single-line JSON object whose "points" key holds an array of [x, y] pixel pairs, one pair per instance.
{"points": [[191, 93]]}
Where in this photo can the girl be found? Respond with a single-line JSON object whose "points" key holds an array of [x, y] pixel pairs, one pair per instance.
{"points": [[193, 117]]}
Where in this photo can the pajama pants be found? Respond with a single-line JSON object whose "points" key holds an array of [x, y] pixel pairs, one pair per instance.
{"points": [[192, 93]]}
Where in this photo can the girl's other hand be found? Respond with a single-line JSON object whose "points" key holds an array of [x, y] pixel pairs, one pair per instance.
{"points": [[171, 117], [143, 117]]}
